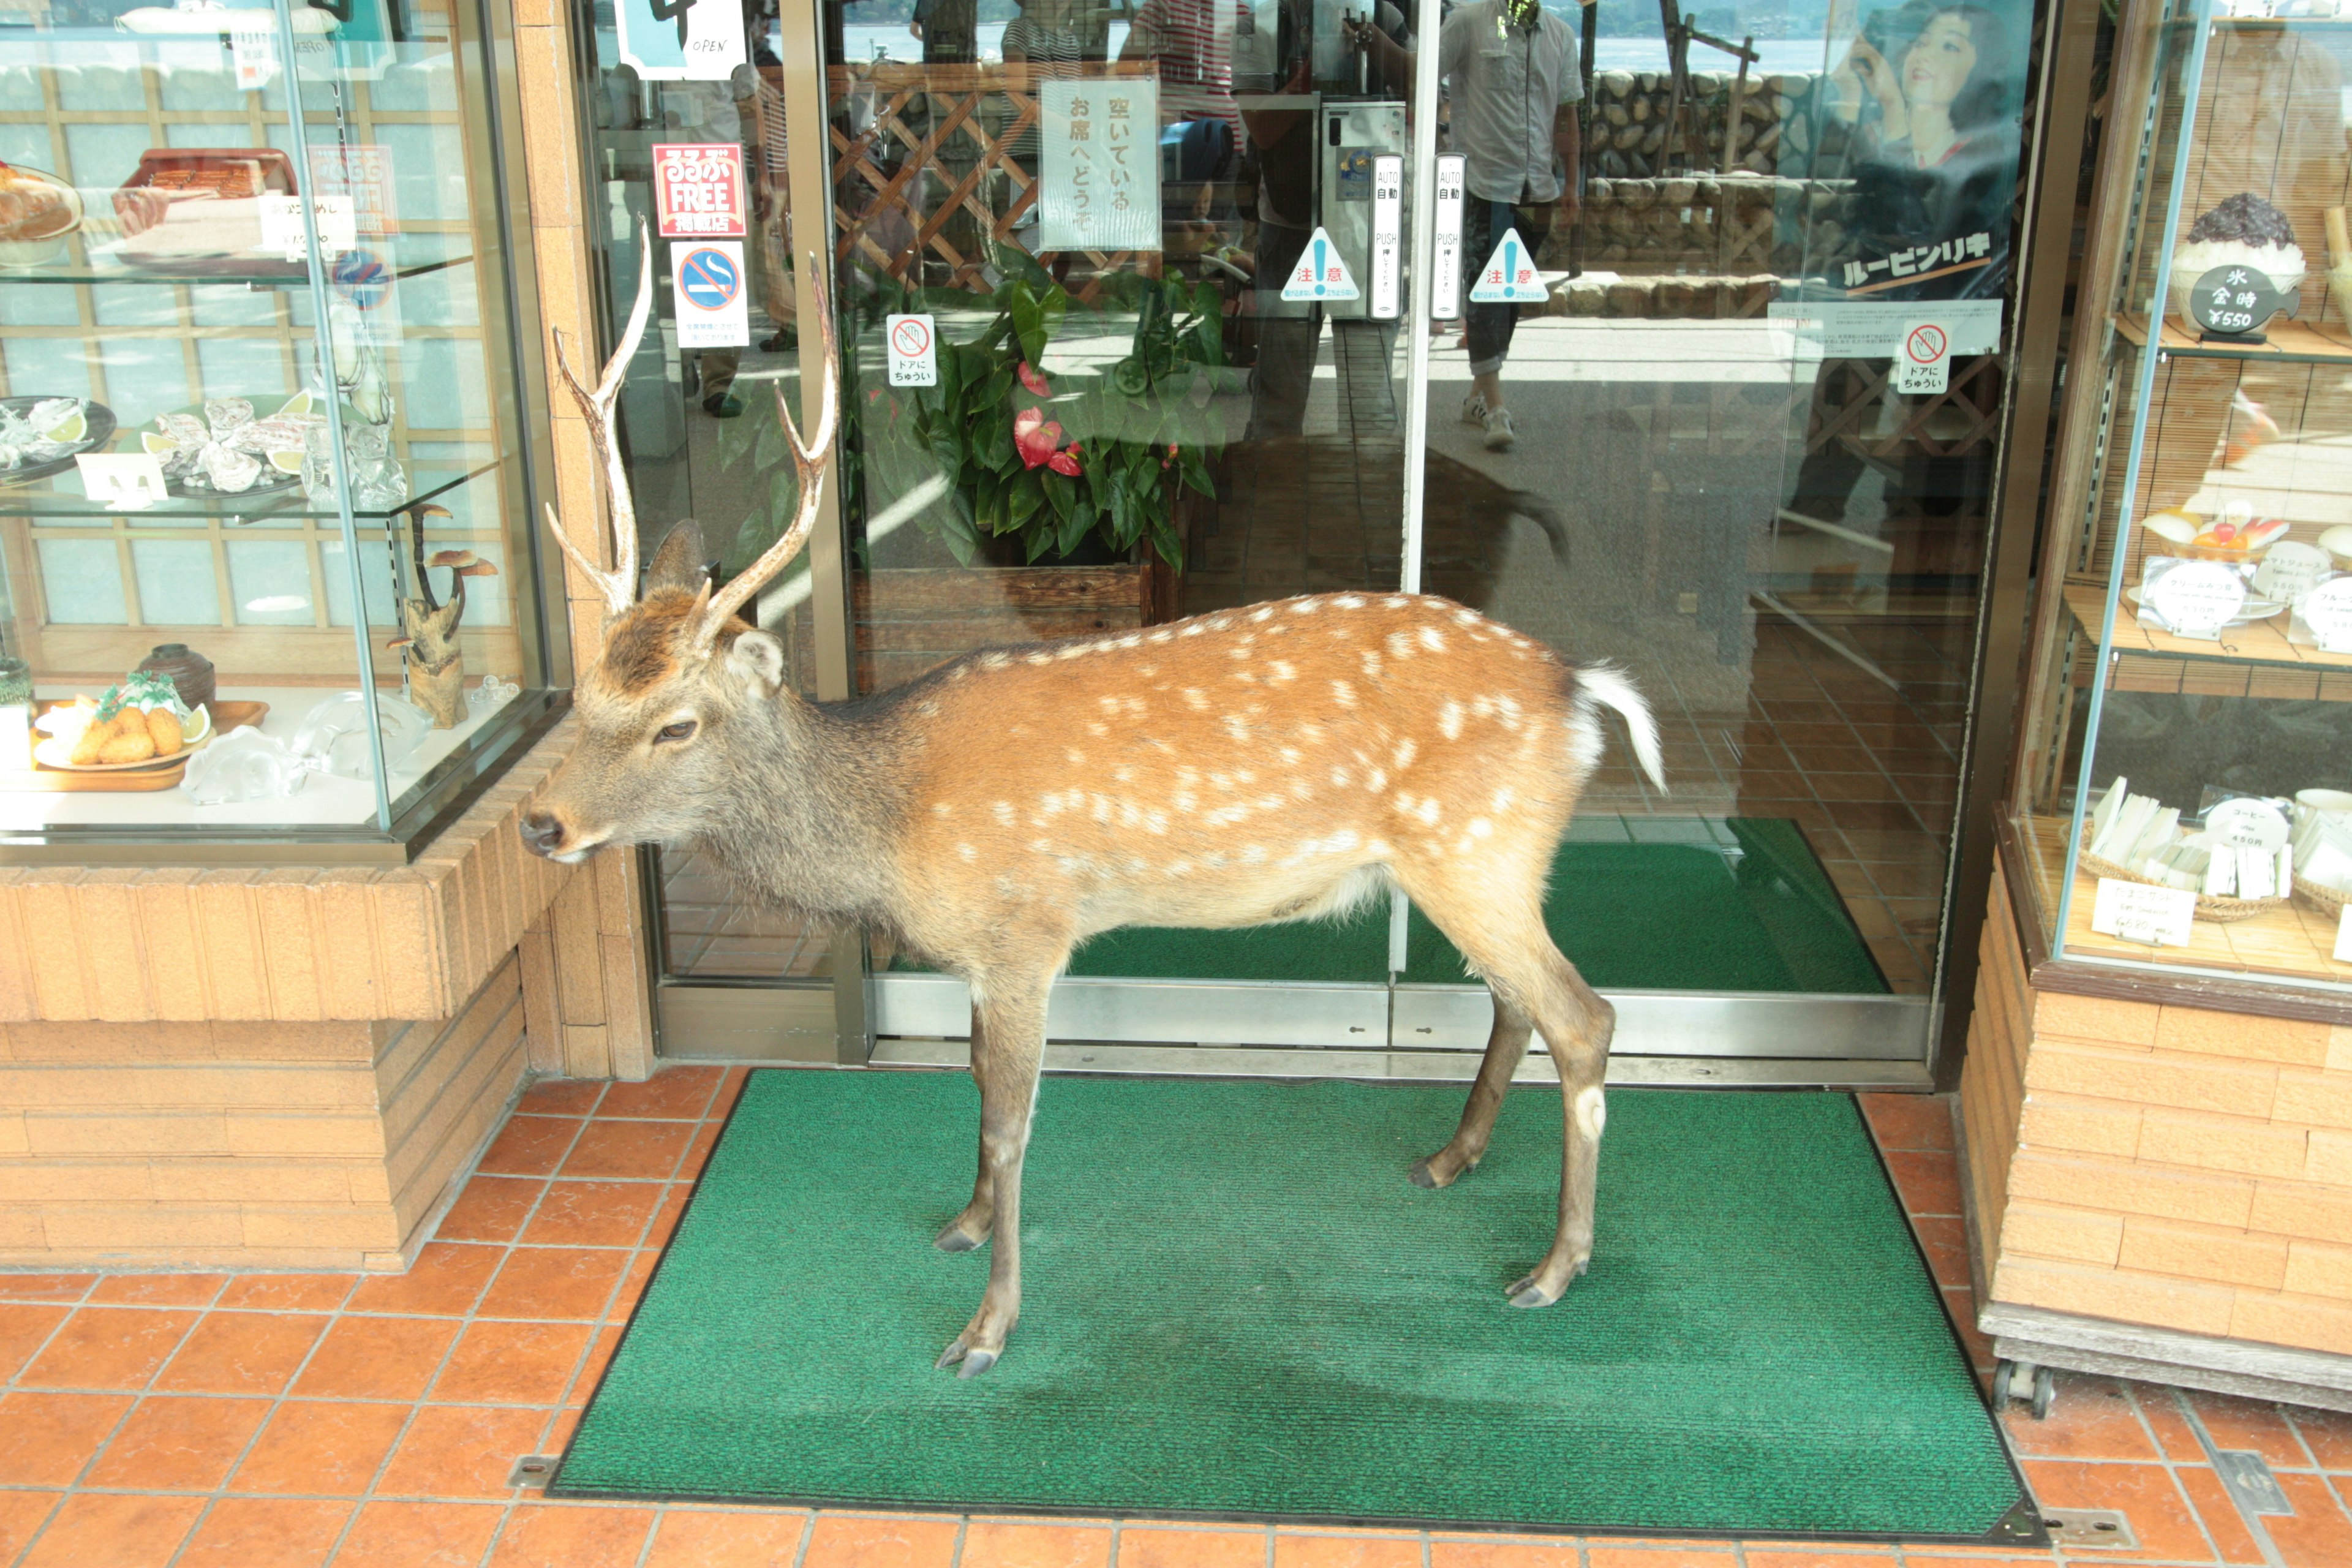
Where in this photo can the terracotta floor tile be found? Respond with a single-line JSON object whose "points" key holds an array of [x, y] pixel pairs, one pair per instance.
{"points": [[674, 1093], [2093, 1418], [95, 1530], [1151, 1546], [1532, 1554], [593, 1213], [459, 1451], [21, 1514], [1299, 1550], [46, 1287], [992, 1544], [445, 1281], [835, 1541], [287, 1293], [600, 1356], [633, 1280], [2173, 1434], [320, 1448], [2320, 1534], [638, 1150], [513, 1363], [697, 1151], [690, 1540], [491, 1208], [47, 1438], [2145, 1494], [2327, 1433], [1779, 1556], [561, 1096], [241, 1353], [1598, 1555], [377, 1358], [1929, 1184], [1944, 1240], [730, 1089], [530, 1146], [266, 1532], [1912, 1558], [2235, 1423], [1910, 1121], [555, 1281], [24, 1329], [107, 1347], [179, 1443], [157, 1289], [556, 1535], [419, 1535], [2219, 1514]]}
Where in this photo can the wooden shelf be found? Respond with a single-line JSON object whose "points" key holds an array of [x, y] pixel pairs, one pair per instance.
{"points": [[2290, 341], [2293, 942], [2253, 660]]}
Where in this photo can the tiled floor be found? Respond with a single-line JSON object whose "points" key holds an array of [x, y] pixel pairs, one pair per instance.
{"points": [[285, 1421]]}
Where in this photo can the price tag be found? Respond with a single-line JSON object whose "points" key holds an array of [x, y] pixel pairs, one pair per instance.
{"points": [[699, 190], [255, 54], [127, 481], [281, 225], [2245, 823], [2343, 936], [2290, 570], [2196, 599], [913, 343], [2327, 611], [2234, 301], [2134, 911], [1924, 363]]}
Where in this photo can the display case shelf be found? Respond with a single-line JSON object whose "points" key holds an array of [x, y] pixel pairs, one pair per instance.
{"points": [[258, 273], [2324, 675], [61, 498], [2290, 341]]}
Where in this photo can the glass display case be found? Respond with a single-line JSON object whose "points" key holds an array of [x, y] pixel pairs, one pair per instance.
{"points": [[2183, 805], [267, 480]]}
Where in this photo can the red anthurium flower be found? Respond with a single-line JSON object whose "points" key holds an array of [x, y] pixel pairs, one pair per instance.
{"points": [[1035, 436], [1066, 461], [1032, 380]]}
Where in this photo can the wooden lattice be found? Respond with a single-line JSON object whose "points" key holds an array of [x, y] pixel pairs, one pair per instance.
{"points": [[1846, 411], [934, 180]]}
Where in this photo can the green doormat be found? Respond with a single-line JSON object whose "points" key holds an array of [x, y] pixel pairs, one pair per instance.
{"points": [[1280, 1325], [1631, 917]]}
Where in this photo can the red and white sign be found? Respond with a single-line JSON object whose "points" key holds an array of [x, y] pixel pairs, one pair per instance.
{"points": [[914, 343], [699, 190], [1926, 363], [363, 173]]}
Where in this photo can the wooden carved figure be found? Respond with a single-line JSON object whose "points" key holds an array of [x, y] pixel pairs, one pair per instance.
{"points": [[436, 668]]}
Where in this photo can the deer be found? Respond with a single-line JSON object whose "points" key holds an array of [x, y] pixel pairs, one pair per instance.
{"points": [[1288, 761]]}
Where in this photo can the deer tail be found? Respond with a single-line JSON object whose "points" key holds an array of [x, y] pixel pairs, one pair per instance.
{"points": [[1609, 687]]}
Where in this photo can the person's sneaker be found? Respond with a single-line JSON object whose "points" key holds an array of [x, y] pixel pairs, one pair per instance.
{"points": [[727, 405], [1501, 434], [1474, 409]]}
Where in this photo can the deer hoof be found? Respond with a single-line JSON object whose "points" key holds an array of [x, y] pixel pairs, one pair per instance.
{"points": [[1528, 1293], [975, 1363], [955, 1239], [1421, 1176]]}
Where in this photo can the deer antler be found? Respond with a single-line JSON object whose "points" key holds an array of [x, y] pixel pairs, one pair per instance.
{"points": [[619, 585], [808, 458]]}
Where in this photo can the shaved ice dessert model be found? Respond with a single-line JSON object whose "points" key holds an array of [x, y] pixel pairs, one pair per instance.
{"points": [[2244, 230]]}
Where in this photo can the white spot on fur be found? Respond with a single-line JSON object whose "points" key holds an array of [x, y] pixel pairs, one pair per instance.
{"points": [[1394, 601], [1343, 693], [1132, 639], [1161, 635], [1378, 781], [1481, 828], [1591, 1112], [1371, 663], [1503, 799], [1195, 699], [995, 660], [1404, 754], [1253, 854], [1432, 639], [941, 808], [1237, 726], [1449, 720], [1400, 645], [1349, 602], [1284, 670], [1465, 618], [1428, 812], [1192, 629], [1339, 777], [967, 851], [1263, 612], [1074, 755], [1037, 659], [1304, 606], [1003, 810]]}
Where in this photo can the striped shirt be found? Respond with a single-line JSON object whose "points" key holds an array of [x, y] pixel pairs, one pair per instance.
{"points": [[1192, 40]]}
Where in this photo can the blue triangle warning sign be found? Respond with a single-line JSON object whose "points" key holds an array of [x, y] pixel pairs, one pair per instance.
{"points": [[1319, 273], [1510, 276]]}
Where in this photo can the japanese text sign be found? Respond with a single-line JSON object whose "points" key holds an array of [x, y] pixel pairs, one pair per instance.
{"points": [[361, 173], [1098, 165], [699, 190]]}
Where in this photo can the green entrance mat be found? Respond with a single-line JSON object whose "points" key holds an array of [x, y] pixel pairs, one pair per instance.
{"points": [[1237, 1305], [1744, 907]]}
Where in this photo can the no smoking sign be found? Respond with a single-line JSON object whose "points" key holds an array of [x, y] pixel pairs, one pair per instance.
{"points": [[1924, 361], [914, 346]]}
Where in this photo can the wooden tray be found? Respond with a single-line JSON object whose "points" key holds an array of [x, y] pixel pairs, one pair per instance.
{"points": [[226, 716]]}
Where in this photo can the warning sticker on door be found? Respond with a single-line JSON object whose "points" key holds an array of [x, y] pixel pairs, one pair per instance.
{"points": [[1924, 361], [1510, 276], [712, 311], [1319, 274], [914, 346]]}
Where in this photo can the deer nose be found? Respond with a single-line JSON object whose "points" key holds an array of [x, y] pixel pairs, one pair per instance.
{"points": [[542, 834]]}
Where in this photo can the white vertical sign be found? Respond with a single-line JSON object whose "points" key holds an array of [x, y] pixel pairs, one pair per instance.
{"points": [[681, 41], [1098, 164], [254, 52], [1387, 235], [1445, 268], [713, 310], [914, 345]]}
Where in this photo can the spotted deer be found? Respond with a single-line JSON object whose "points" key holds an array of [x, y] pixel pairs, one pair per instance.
{"points": [[1285, 762]]}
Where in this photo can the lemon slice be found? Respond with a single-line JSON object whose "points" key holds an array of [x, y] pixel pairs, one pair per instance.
{"points": [[285, 462], [72, 427], [159, 445]]}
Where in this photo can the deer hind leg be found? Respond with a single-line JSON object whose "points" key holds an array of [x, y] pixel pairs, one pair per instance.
{"points": [[971, 1227], [1012, 1019], [1505, 1047]]}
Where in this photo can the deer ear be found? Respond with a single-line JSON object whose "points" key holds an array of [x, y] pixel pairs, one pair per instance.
{"points": [[679, 562], [756, 660]]}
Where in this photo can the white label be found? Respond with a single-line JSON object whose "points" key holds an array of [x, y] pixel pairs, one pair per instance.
{"points": [[2290, 570], [281, 225], [1924, 361], [681, 41], [2327, 611], [127, 481], [2248, 824], [1445, 268], [2343, 936], [1510, 276], [1387, 235], [706, 282], [2134, 911], [1319, 273], [2196, 599], [914, 347], [1098, 164], [255, 56], [1875, 329]]}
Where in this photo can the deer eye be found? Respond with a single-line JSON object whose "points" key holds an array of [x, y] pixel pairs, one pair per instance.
{"points": [[680, 731]]}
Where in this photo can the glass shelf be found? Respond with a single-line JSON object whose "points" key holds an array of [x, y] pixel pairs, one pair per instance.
{"points": [[2290, 342], [418, 253], [426, 482], [2148, 659]]}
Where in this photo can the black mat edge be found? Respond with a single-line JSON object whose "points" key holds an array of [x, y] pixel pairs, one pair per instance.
{"points": [[1999, 1535]]}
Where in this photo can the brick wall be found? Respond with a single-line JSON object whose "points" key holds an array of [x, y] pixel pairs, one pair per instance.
{"points": [[2172, 1166]]}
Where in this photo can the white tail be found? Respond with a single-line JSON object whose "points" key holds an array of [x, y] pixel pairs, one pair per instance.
{"points": [[1609, 685]]}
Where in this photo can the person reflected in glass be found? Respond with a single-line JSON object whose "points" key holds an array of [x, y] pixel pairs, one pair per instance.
{"points": [[1511, 81]]}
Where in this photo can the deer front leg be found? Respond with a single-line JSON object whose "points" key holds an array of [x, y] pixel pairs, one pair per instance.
{"points": [[1015, 1027], [1505, 1049], [970, 1229]]}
